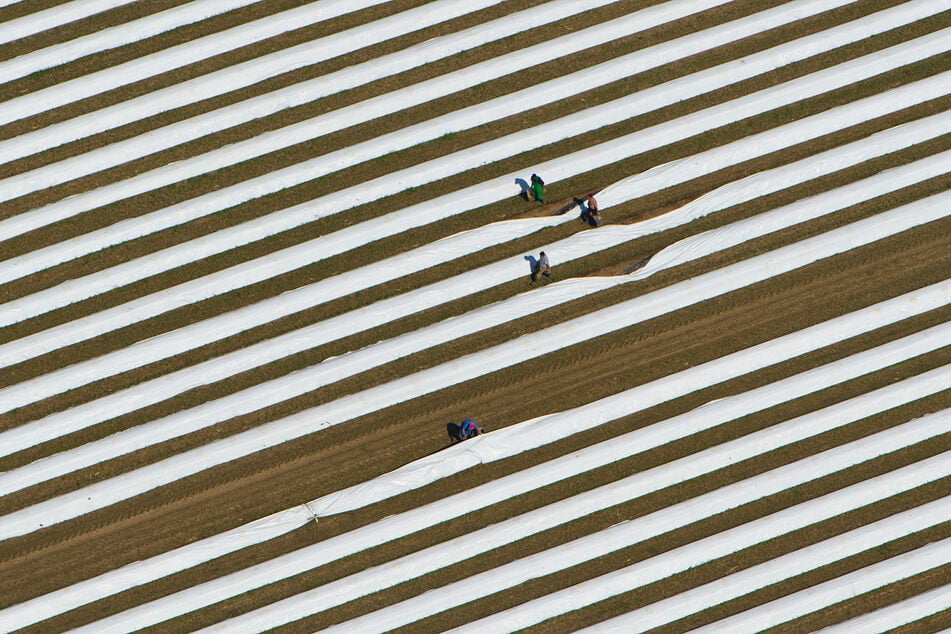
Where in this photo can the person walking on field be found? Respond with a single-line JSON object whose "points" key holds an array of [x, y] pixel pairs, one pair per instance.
{"points": [[542, 266], [538, 188]]}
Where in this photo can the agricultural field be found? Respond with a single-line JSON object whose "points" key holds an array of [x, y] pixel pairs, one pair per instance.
{"points": [[259, 260]]}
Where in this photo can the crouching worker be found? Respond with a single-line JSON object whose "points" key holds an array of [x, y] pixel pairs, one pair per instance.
{"points": [[541, 266], [468, 429], [590, 213]]}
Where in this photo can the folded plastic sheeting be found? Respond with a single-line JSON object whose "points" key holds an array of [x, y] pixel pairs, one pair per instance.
{"points": [[483, 496], [792, 606], [480, 363], [246, 73], [494, 446], [116, 36], [509, 145], [631, 532], [897, 614], [55, 16]]}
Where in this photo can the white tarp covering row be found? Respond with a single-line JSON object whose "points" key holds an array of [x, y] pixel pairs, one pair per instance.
{"points": [[897, 614], [795, 605], [116, 36], [510, 441], [612, 539], [279, 523], [576, 246], [308, 91], [479, 195], [516, 484], [290, 258], [243, 74], [353, 363], [562, 335], [308, 296], [507, 442], [65, 13], [335, 120], [697, 553]]}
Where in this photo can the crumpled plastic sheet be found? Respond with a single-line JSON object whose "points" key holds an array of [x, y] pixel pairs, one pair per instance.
{"points": [[465, 368], [116, 36], [609, 540]]}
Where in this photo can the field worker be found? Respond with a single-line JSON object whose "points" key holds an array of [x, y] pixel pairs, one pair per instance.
{"points": [[542, 265], [468, 429], [592, 204], [538, 188], [589, 213]]}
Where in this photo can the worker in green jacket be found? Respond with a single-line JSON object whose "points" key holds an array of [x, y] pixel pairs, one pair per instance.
{"points": [[538, 188]]}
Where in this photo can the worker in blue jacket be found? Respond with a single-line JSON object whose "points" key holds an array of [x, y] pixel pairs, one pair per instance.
{"points": [[468, 429]]}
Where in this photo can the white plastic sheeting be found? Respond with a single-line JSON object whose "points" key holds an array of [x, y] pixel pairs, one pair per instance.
{"points": [[511, 441], [65, 13], [895, 615], [350, 364], [794, 605], [630, 532], [261, 105], [290, 258], [495, 446], [697, 553], [47, 606], [500, 107], [54, 382], [246, 73], [470, 366], [116, 36], [424, 213], [483, 496], [581, 244], [483, 154]]}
